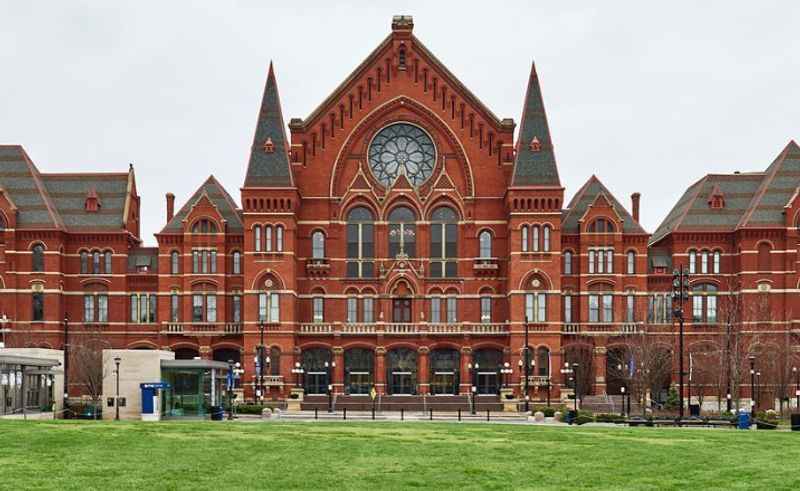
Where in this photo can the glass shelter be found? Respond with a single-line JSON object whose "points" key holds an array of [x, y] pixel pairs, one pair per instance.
{"points": [[195, 387], [26, 384]]}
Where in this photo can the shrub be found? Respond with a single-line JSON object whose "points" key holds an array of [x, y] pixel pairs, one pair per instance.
{"points": [[249, 408], [609, 418], [583, 419], [548, 411], [673, 401]]}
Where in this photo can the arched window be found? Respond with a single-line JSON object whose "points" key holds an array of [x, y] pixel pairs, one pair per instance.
{"points": [[764, 259], [318, 245], [546, 238], [601, 226], [486, 308], [568, 262], [717, 257], [536, 305], [268, 307], [237, 262], [402, 232], [704, 262], [444, 243], [275, 361], [204, 226], [107, 261], [360, 243], [96, 262], [84, 262], [257, 238], [268, 238], [542, 361], [704, 303], [692, 262], [174, 262], [592, 259], [279, 238], [485, 240], [524, 238], [318, 308], [37, 259], [631, 256], [535, 238], [38, 306]]}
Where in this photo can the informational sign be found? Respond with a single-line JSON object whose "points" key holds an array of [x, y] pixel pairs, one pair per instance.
{"points": [[121, 402]]}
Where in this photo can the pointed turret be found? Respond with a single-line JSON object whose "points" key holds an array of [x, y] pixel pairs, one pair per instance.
{"points": [[269, 158], [535, 163]]}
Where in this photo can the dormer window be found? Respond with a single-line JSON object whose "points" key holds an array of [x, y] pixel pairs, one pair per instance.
{"points": [[402, 59], [717, 202], [269, 147], [536, 145], [204, 226], [601, 226], [92, 203]]}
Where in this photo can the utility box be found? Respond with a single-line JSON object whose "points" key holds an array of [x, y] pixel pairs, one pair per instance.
{"points": [[151, 400]]}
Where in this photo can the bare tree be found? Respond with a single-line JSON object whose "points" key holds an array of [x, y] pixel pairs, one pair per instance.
{"points": [[647, 364], [86, 361]]}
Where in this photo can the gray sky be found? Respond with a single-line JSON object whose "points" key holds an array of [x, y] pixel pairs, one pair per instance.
{"points": [[648, 97]]}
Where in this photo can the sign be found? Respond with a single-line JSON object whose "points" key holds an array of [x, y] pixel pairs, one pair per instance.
{"points": [[155, 385], [372, 393], [121, 402], [110, 402]]}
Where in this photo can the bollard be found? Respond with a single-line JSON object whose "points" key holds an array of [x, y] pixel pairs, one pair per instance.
{"points": [[487, 415], [316, 413], [344, 413], [459, 414], [402, 416], [431, 414], [373, 412]]}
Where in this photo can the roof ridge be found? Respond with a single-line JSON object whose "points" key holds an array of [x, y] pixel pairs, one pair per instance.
{"points": [[37, 179], [769, 175]]}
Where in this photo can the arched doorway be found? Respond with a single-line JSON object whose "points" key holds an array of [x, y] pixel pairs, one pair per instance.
{"points": [[445, 368], [402, 371], [618, 369], [486, 365], [186, 354], [359, 367], [317, 366]]}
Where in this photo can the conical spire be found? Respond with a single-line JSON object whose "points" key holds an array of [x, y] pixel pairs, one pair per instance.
{"points": [[269, 160], [535, 162]]}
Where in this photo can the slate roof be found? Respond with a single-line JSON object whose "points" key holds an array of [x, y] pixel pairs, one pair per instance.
{"points": [[534, 168], [221, 199], [69, 191], [585, 196], [269, 169], [755, 199], [20, 178]]}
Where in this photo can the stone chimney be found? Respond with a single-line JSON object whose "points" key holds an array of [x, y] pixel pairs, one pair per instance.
{"points": [[635, 205], [170, 206]]}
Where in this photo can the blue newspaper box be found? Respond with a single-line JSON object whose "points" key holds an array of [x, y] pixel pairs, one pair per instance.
{"points": [[744, 421], [151, 409]]}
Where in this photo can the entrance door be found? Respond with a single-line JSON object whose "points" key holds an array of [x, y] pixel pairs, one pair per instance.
{"points": [[401, 310], [317, 383], [402, 383], [443, 383], [488, 383]]}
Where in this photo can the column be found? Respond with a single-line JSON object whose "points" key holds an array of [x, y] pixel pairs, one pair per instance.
{"points": [[423, 370], [380, 370], [600, 360], [466, 373], [338, 370]]}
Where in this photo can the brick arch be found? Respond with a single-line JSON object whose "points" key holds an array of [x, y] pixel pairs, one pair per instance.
{"points": [[357, 200], [524, 284], [265, 274], [398, 201], [376, 120]]}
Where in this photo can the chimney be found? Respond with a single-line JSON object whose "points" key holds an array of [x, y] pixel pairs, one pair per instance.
{"points": [[635, 206], [170, 206]]}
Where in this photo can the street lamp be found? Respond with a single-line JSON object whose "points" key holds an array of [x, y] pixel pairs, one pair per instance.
{"points": [[117, 361], [260, 391], [506, 371], [474, 368], [3, 322], [680, 294], [66, 364], [758, 387], [232, 366], [297, 371], [328, 368], [622, 410], [526, 363], [577, 385], [566, 372], [752, 384], [796, 386]]}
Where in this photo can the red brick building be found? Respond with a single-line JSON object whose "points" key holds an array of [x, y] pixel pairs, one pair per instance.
{"points": [[399, 237]]}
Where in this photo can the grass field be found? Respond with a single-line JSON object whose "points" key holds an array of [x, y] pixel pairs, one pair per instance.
{"points": [[110, 456]]}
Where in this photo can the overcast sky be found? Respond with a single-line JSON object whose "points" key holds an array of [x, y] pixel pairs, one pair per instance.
{"points": [[648, 97]]}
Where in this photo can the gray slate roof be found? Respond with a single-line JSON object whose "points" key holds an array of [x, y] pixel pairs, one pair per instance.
{"points": [[754, 199], [585, 196], [534, 168], [21, 180], [69, 191], [269, 169], [221, 199]]}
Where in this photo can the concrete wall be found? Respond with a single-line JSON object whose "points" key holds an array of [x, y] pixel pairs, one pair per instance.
{"points": [[50, 354], [136, 367]]}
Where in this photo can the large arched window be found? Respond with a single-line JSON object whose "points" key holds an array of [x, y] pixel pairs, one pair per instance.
{"points": [[704, 303], [318, 245], [764, 259], [359, 369], [444, 243], [37, 259], [542, 361], [485, 240], [402, 232], [360, 243]]}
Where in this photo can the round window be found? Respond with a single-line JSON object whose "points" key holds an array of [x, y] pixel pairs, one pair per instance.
{"points": [[402, 148]]}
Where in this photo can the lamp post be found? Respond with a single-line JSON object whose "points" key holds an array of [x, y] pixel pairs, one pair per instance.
{"points": [[117, 361], [680, 293], [566, 373], [758, 387], [796, 387], [3, 322], [329, 366], [577, 385], [506, 371], [752, 384], [297, 371], [231, 366], [66, 363], [527, 366], [474, 369], [622, 391], [260, 391]]}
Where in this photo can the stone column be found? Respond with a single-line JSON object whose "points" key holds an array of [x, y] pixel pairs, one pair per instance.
{"points": [[466, 373], [423, 370], [338, 370], [380, 370], [600, 359]]}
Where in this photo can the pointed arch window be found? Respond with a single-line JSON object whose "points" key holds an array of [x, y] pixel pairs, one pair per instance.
{"points": [[568, 262], [268, 307], [524, 238], [279, 238], [402, 232], [37, 258], [318, 245], [535, 238], [268, 238], [546, 238], [257, 237], [444, 243], [360, 243], [485, 240]]}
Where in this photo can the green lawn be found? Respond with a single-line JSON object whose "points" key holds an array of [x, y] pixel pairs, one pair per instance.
{"points": [[205, 455]]}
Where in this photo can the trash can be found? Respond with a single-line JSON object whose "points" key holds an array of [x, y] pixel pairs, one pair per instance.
{"points": [[694, 410], [571, 416], [795, 421], [744, 421], [217, 413]]}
